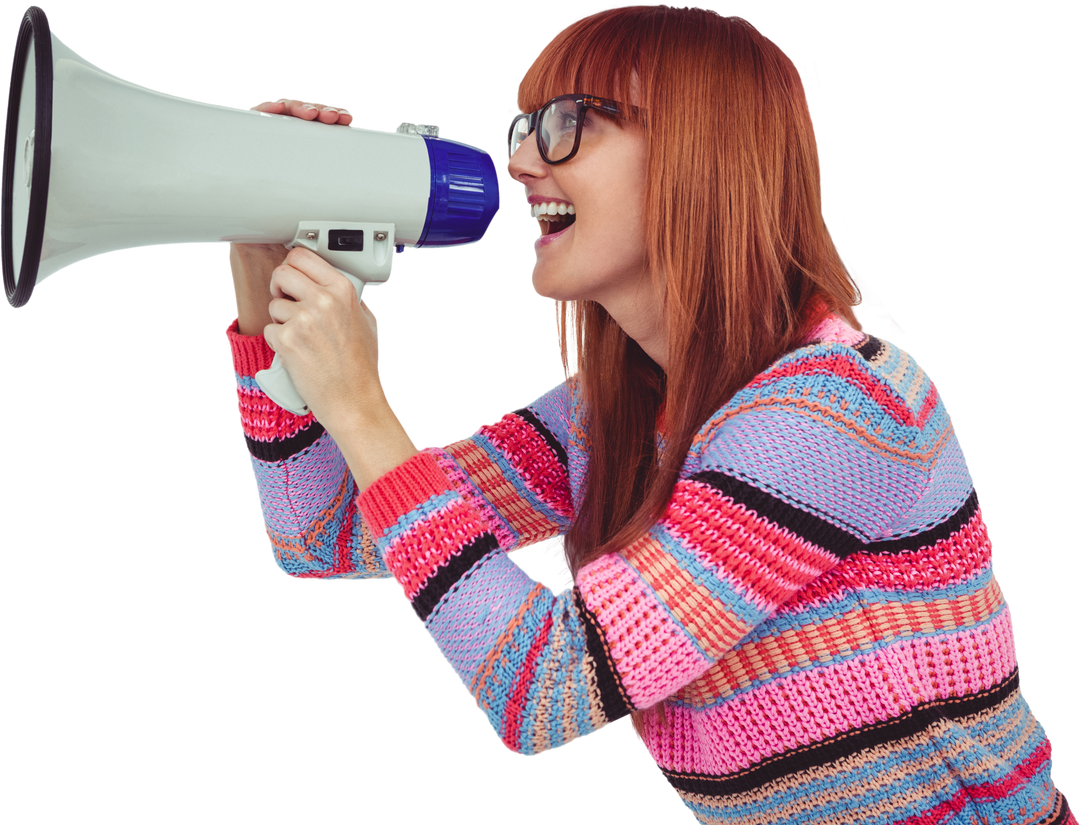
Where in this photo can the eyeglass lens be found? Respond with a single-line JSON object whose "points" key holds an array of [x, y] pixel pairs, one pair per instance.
{"points": [[556, 131]]}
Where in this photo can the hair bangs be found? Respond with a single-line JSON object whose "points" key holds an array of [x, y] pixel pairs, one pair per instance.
{"points": [[598, 56]]}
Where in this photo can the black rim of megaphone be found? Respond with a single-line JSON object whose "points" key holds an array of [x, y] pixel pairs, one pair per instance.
{"points": [[35, 30]]}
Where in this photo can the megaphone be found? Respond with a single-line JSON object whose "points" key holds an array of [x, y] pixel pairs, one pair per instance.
{"points": [[93, 163]]}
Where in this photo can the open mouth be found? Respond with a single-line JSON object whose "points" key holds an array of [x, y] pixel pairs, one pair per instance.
{"points": [[552, 227]]}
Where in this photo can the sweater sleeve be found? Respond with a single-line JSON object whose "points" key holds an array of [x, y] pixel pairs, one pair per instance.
{"points": [[514, 474], [775, 492]]}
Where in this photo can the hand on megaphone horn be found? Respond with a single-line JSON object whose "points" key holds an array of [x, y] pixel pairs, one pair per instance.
{"points": [[253, 264], [306, 111]]}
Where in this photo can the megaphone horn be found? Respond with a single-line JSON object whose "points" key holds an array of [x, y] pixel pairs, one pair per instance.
{"points": [[93, 163]]}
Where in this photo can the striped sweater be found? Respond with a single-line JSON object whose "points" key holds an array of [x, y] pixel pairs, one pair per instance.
{"points": [[813, 624]]}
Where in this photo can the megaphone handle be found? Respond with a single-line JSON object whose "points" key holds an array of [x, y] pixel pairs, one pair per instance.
{"points": [[278, 384]]}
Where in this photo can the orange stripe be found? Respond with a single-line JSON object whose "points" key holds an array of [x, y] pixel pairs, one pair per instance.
{"points": [[702, 615], [832, 418], [504, 497], [497, 654], [841, 637]]}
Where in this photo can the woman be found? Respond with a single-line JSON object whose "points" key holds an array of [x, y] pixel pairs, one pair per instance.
{"points": [[780, 566]]}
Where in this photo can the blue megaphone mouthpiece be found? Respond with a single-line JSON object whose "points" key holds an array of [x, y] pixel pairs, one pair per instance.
{"points": [[464, 193]]}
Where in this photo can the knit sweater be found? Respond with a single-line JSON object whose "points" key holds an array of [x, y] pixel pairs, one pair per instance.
{"points": [[813, 623]]}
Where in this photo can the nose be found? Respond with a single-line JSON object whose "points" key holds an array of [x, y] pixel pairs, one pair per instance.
{"points": [[526, 163]]}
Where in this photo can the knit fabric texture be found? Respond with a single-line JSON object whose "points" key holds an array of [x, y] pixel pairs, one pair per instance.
{"points": [[812, 629]]}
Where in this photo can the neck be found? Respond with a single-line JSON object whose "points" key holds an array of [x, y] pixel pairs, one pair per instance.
{"points": [[640, 313]]}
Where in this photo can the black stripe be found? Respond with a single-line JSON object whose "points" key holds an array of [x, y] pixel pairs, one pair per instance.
{"points": [[870, 348], [1062, 814], [281, 448], [811, 527], [821, 532], [931, 537], [437, 586], [613, 699], [816, 755], [551, 440]]}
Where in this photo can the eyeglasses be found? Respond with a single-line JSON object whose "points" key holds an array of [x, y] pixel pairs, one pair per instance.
{"points": [[558, 125]]}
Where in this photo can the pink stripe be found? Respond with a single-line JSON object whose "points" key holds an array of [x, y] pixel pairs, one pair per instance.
{"points": [[835, 329], [263, 420], [652, 652], [811, 706]]}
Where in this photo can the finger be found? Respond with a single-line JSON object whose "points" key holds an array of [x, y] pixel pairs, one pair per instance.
{"points": [[311, 267], [304, 111], [291, 283], [298, 108], [270, 332], [283, 310], [275, 107], [332, 114], [322, 113]]}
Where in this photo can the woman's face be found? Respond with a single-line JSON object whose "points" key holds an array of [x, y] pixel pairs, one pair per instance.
{"points": [[598, 253]]}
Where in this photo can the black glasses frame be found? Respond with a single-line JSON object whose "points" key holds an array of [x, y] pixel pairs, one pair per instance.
{"points": [[583, 102]]}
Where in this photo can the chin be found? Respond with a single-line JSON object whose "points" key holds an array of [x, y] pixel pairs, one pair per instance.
{"points": [[549, 286], [553, 295], [542, 286]]}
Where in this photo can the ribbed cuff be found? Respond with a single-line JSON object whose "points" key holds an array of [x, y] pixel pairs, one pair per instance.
{"points": [[400, 491], [250, 353]]}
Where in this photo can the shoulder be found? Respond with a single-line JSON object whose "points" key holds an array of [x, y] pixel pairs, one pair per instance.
{"points": [[845, 380], [833, 442]]}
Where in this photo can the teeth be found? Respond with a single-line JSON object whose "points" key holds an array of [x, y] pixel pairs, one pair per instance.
{"points": [[542, 211]]}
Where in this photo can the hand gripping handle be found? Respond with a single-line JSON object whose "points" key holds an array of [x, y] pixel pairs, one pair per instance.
{"points": [[359, 251], [278, 384]]}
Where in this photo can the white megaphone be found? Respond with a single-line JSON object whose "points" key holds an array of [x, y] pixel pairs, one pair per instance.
{"points": [[93, 163]]}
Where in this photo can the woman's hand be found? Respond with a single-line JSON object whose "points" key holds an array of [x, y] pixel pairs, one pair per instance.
{"points": [[306, 111], [251, 265], [326, 338]]}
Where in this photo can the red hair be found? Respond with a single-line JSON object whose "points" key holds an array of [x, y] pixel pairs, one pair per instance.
{"points": [[735, 234]]}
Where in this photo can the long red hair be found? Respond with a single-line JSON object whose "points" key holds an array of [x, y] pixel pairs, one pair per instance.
{"points": [[734, 232]]}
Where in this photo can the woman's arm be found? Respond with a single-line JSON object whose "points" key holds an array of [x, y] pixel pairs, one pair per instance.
{"points": [[252, 267]]}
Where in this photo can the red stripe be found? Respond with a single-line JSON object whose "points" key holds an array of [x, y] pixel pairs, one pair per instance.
{"points": [[951, 562], [761, 559], [340, 564], [342, 560], [1020, 777], [928, 405], [533, 459], [515, 707], [842, 367]]}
